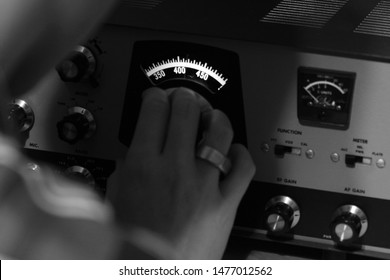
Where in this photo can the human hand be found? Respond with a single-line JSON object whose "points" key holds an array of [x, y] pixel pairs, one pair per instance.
{"points": [[164, 187]]}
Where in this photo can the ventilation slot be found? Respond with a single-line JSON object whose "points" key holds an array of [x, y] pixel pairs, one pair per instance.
{"points": [[142, 4], [377, 22], [306, 13]]}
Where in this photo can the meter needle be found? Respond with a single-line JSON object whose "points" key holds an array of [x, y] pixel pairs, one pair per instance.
{"points": [[312, 96]]}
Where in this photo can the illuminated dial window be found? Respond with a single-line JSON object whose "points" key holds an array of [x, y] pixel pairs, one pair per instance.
{"points": [[325, 97], [211, 71]]}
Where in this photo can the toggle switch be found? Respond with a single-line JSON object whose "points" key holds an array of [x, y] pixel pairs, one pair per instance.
{"points": [[352, 160], [281, 150]]}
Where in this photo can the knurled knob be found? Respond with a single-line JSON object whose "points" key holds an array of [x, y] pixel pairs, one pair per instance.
{"points": [[281, 214], [79, 124], [349, 223], [20, 116], [79, 65], [80, 174]]}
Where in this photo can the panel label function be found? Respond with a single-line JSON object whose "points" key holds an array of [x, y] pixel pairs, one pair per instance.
{"points": [[289, 131]]}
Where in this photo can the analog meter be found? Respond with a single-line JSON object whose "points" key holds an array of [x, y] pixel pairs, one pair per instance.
{"points": [[325, 97]]}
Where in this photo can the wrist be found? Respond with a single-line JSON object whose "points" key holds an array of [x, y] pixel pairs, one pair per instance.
{"points": [[141, 243]]}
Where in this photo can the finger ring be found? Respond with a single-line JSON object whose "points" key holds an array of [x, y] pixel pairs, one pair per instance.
{"points": [[215, 157]]}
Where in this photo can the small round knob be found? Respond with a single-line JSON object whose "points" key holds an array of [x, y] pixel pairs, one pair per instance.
{"points": [[79, 65], [282, 214], [32, 166], [20, 115], [80, 174], [349, 223], [77, 125]]}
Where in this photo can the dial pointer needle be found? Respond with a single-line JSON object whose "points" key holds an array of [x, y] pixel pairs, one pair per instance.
{"points": [[312, 96]]}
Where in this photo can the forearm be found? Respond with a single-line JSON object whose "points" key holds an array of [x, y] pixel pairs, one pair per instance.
{"points": [[35, 34]]}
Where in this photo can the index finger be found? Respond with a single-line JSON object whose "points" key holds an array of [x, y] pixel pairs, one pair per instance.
{"points": [[150, 132]]}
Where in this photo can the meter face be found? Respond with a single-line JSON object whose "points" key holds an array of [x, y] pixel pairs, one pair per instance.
{"points": [[325, 97], [212, 72]]}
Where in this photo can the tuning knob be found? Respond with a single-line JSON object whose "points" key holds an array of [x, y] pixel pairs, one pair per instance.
{"points": [[282, 214], [349, 223], [20, 115], [79, 124], [80, 174], [79, 65]]}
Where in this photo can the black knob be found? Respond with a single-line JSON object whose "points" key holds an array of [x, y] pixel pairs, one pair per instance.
{"points": [[281, 214], [79, 65], [20, 116], [349, 223], [80, 174], [77, 125]]}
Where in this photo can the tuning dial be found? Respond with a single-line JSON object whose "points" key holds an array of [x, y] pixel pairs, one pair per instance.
{"points": [[80, 174], [20, 115], [349, 223], [79, 65], [79, 124], [282, 214]]}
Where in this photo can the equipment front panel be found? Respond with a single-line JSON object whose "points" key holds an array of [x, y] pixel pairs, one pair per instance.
{"points": [[316, 126]]}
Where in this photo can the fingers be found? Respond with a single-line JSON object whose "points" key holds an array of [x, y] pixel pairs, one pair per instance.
{"points": [[217, 134], [237, 181], [202, 102], [169, 121], [186, 107], [149, 136], [218, 131]]}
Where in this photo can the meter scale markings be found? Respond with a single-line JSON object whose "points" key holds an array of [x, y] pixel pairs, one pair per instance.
{"points": [[325, 83], [158, 72], [324, 94]]}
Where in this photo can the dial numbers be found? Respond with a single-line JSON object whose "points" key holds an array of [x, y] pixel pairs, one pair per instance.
{"points": [[185, 68]]}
